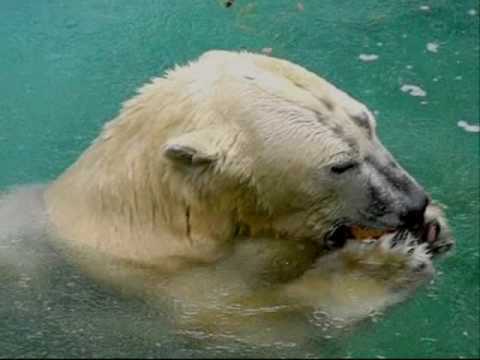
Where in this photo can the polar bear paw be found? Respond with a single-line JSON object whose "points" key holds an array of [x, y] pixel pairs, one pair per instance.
{"points": [[404, 245]]}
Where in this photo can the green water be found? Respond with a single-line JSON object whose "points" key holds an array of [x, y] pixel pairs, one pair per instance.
{"points": [[65, 66]]}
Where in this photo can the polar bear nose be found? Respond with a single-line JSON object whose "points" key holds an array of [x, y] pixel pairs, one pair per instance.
{"points": [[414, 216]]}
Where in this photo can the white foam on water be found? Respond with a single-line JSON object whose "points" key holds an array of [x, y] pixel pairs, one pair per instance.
{"points": [[469, 127], [425, 8], [413, 90], [472, 12], [368, 57], [433, 47], [267, 50], [22, 217]]}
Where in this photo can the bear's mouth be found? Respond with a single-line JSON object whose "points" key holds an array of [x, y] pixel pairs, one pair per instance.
{"points": [[427, 232], [341, 234]]}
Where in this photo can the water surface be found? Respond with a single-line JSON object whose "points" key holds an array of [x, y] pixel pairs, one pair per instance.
{"points": [[66, 66]]}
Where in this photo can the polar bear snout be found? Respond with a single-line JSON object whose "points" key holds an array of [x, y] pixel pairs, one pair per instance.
{"points": [[394, 198], [414, 215]]}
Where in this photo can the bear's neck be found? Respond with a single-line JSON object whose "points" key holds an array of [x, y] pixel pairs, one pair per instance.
{"points": [[126, 207]]}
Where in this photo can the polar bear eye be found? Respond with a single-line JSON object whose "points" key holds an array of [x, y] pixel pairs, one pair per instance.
{"points": [[343, 167]]}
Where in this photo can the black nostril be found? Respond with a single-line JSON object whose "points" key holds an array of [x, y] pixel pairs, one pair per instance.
{"points": [[414, 216]]}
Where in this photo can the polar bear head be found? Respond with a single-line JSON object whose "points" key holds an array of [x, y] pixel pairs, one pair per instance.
{"points": [[305, 152], [241, 143]]}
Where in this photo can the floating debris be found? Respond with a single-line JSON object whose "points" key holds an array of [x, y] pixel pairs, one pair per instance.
{"points": [[459, 77], [472, 12], [469, 127], [413, 90], [368, 57], [433, 47], [300, 6], [427, 339], [425, 8], [409, 67], [229, 3], [267, 50]]}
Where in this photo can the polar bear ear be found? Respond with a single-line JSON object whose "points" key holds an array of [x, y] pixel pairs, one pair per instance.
{"points": [[195, 149], [187, 155]]}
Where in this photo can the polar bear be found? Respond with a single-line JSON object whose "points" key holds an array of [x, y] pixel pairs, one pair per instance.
{"points": [[250, 176]]}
